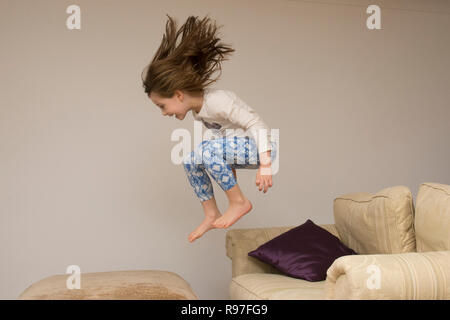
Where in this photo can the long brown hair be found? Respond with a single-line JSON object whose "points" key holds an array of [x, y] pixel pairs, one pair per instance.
{"points": [[189, 65]]}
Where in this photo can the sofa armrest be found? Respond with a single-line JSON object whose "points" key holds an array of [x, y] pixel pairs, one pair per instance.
{"points": [[239, 242], [402, 276]]}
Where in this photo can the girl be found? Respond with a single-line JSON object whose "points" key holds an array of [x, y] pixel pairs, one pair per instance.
{"points": [[176, 81]]}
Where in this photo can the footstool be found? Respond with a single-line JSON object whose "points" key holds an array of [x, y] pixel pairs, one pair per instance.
{"points": [[114, 285]]}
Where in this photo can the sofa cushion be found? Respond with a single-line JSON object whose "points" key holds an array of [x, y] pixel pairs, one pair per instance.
{"points": [[432, 220], [304, 252], [401, 276], [266, 286], [113, 285], [376, 223], [239, 242]]}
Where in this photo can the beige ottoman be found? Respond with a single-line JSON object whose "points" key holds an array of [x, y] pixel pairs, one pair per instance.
{"points": [[114, 285]]}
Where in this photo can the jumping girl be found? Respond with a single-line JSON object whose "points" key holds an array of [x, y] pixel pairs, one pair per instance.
{"points": [[177, 81]]}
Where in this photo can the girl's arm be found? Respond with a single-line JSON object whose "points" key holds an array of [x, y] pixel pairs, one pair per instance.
{"points": [[265, 159], [264, 173], [231, 108]]}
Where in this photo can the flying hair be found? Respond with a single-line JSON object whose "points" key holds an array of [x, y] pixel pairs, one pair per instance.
{"points": [[186, 59]]}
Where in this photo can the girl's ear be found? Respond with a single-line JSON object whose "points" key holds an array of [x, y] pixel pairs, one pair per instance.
{"points": [[178, 94], [181, 95]]}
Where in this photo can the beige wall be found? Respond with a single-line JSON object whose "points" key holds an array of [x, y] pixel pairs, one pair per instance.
{"points": [[85, 170]]}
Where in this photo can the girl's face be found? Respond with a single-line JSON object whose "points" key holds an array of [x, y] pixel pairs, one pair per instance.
{"points": [[175, 106]]}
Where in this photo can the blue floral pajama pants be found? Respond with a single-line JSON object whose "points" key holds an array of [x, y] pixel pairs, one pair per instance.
{"points": [[217, 157]]}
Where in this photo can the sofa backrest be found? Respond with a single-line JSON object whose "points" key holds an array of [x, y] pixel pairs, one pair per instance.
{"points": [[376, 223], [432, 217]]}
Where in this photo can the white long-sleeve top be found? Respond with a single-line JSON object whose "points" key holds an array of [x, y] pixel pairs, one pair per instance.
{"points": [[223, 109]]}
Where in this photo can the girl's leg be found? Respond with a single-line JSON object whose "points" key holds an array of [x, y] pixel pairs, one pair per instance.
{"points": [[234, 173], [213, 156], [199, 180], [243, 153], [196, 173], [212, 213], [217, 162]]}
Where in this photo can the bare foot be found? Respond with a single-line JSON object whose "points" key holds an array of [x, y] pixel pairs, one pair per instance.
{"points": [[234, 212], [203, 227]]}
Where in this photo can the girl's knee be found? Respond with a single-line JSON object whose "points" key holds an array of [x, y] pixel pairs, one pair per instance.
{"points": [[197, 156]]}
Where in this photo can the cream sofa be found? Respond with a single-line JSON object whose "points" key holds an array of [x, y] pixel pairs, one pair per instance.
{"points": [[403, 252]]}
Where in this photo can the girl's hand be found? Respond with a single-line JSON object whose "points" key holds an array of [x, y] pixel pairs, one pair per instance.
{"points": [[264, 177]]}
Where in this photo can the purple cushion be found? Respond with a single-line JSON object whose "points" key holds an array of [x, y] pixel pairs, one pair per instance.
{"points": [[304, 252]]}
